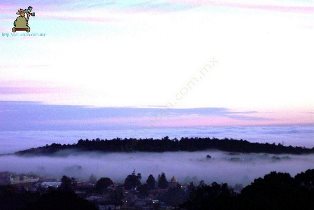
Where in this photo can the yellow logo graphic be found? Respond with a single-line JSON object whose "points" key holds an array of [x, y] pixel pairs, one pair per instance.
{"points": [[21, 22]]}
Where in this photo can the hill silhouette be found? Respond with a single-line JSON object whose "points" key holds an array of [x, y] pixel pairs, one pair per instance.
{"points": [[166, 145]]}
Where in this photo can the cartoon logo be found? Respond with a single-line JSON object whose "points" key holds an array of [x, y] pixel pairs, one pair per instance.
{"points": [[21, 22]]}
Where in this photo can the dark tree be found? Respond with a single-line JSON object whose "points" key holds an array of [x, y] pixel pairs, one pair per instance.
{"points": [[274, 191], [117, 196], [279, 191], [132, 181], [12, 198], [211, 197], [102, 184], [162, 181], [143, 190], [190, 187], [67, 184], [60, 200], [306, 179], [151, 182], [175, 196]]}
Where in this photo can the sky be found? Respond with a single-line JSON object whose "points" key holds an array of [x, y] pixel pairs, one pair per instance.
{"points": [[157, 63]]}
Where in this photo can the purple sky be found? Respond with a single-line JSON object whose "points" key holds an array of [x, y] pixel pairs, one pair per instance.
{"points": [[164, 63]]}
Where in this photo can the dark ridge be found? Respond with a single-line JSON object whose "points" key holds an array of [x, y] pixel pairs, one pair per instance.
{"points": [[167, 145]]}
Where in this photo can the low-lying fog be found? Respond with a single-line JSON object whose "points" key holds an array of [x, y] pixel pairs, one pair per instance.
{"points": [[185, 166]]}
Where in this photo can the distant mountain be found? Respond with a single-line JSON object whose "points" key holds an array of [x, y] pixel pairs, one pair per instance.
{"points": [[165, 145]]}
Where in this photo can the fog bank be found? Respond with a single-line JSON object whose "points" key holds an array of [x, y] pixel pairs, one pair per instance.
{"points": [[185, 166]]}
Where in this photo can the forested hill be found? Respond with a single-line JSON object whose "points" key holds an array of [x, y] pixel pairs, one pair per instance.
{"points": [[166, 145]]}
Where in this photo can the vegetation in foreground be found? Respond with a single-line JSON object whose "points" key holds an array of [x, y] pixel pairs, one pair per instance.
{"points": [[275, 191]]}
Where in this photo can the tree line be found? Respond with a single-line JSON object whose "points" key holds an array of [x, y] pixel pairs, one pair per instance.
{"points": [[167, 145]]}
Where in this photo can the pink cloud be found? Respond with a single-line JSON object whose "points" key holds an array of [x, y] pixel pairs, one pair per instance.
{"points": [[190, 121], [147, 121], [10, 66], [275, 8], [100, 121], [285, 117], [193, 121], [27, 87], [82, 18], [3, 29], [4, 7], [26, 90], [11, 8]]}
